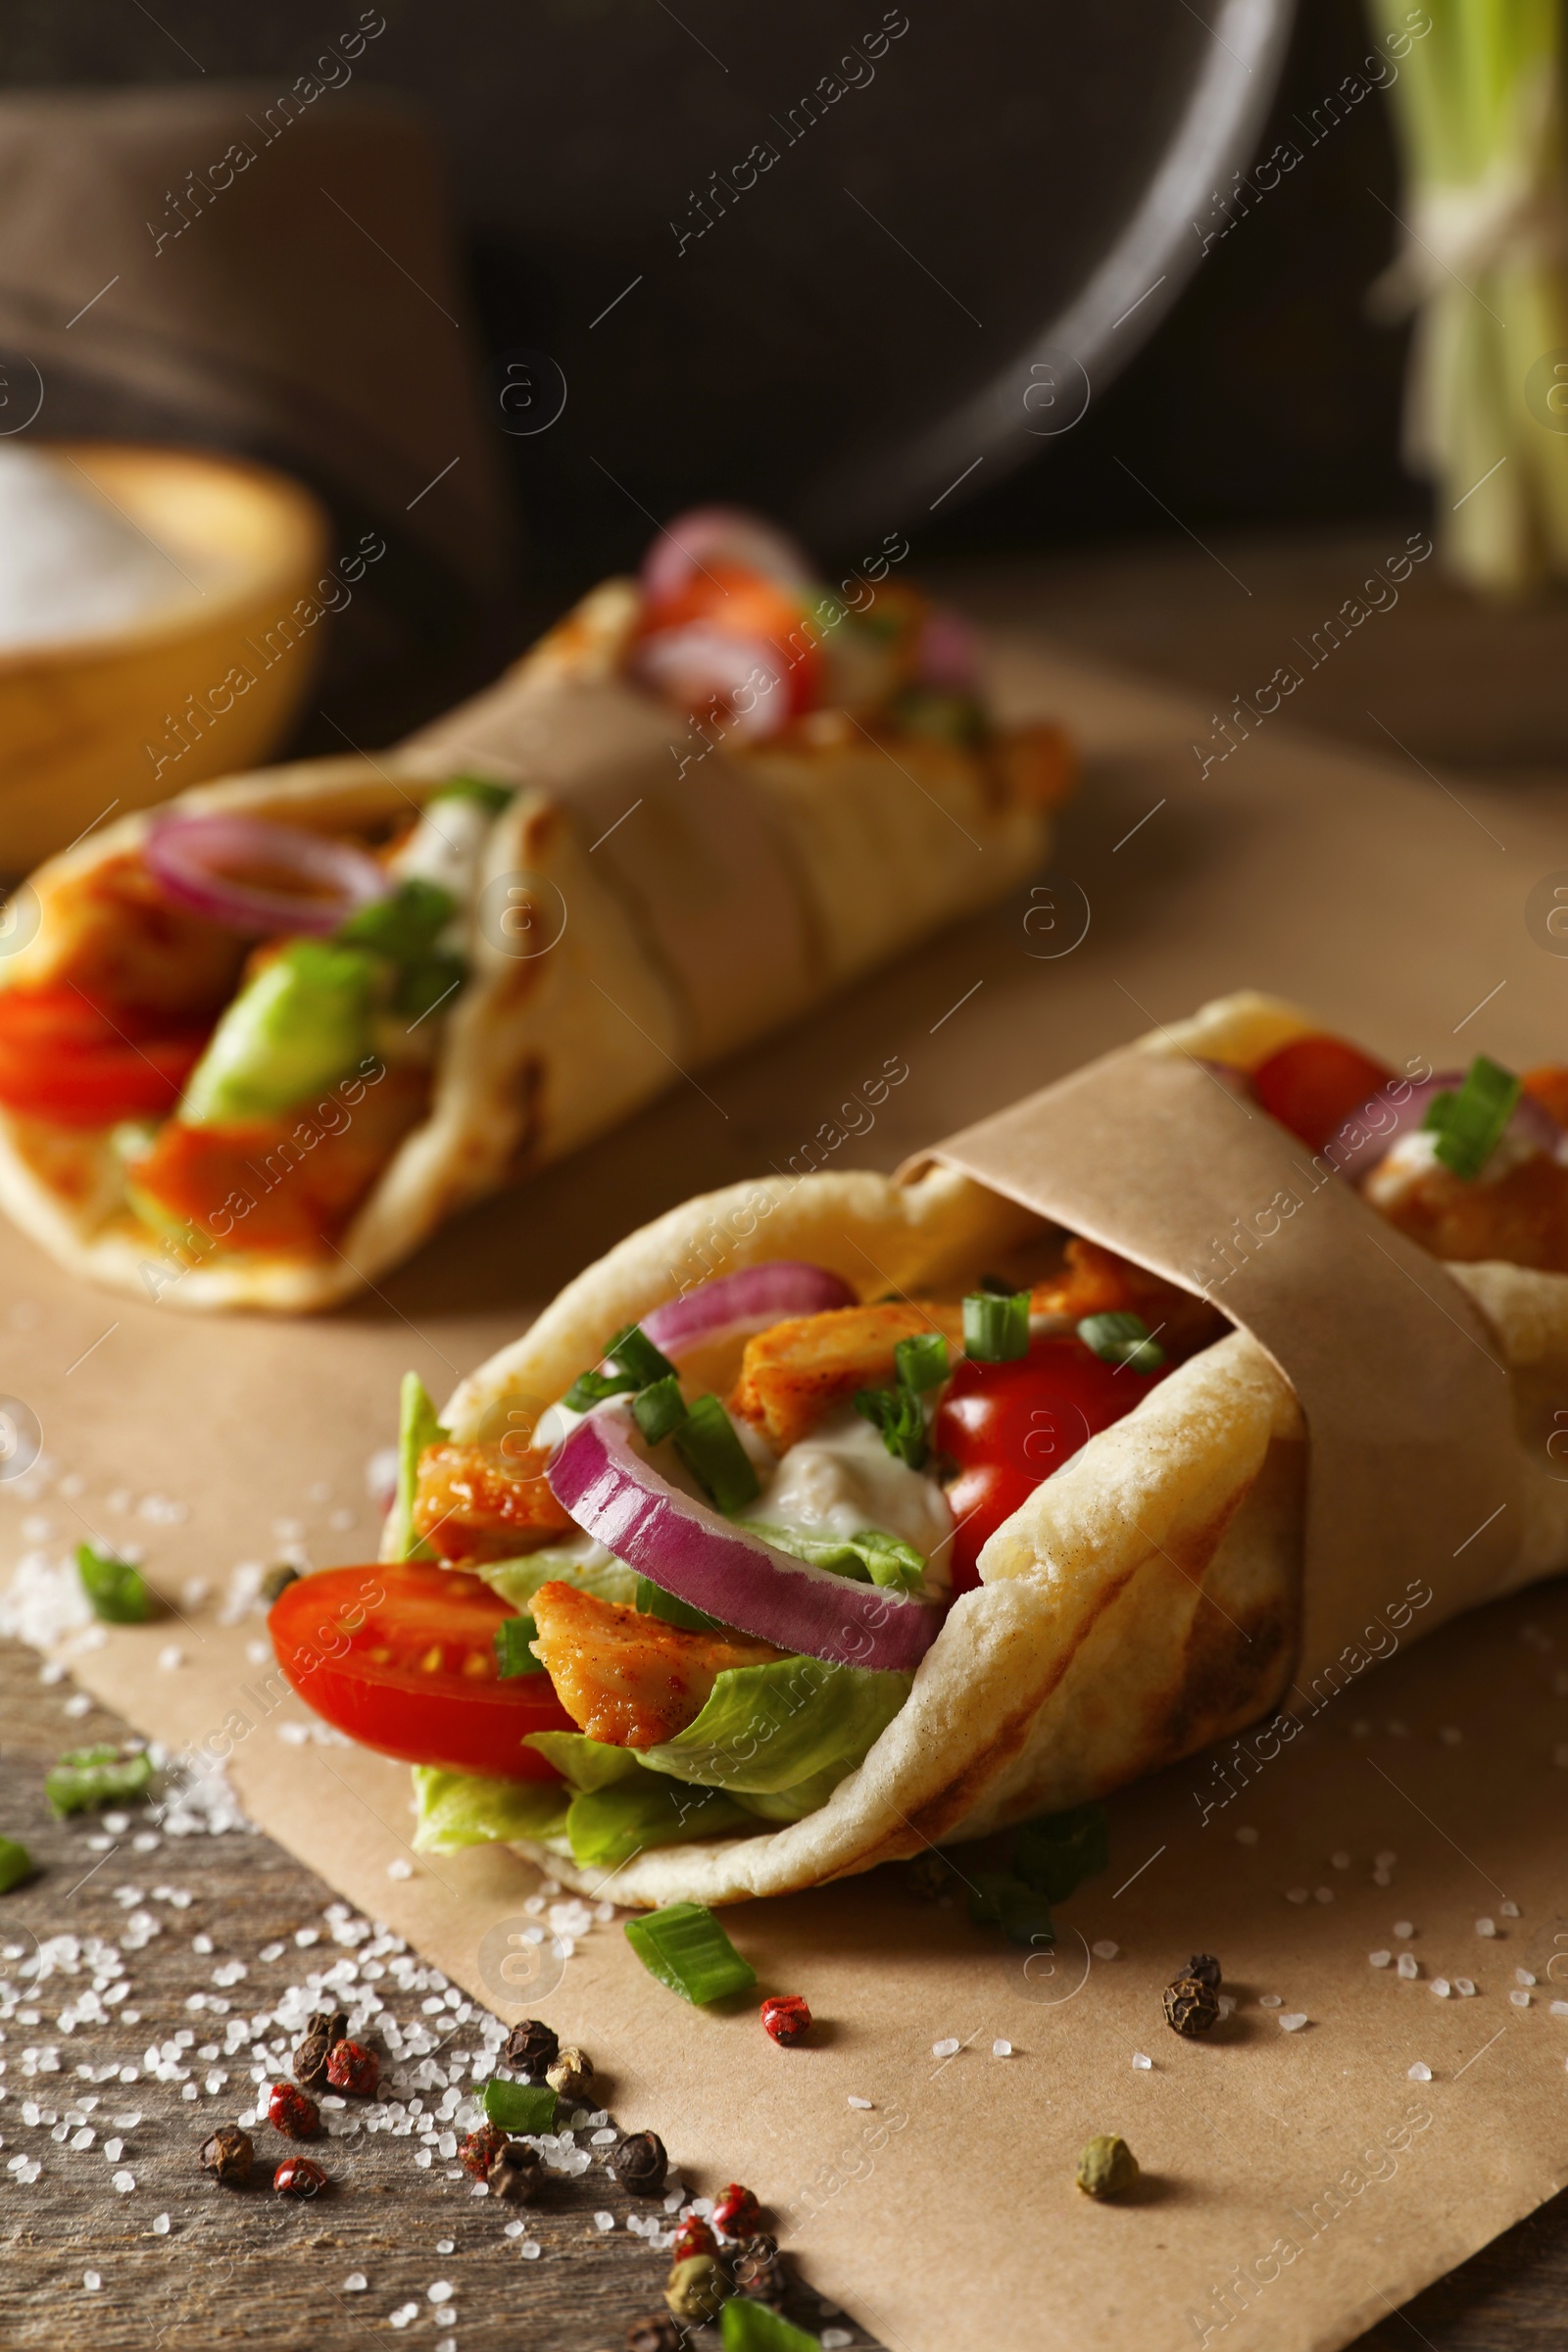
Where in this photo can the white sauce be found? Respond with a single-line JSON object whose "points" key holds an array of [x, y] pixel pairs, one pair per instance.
{"points": [[446, 846], [843, 1478], [1404, 1168]]}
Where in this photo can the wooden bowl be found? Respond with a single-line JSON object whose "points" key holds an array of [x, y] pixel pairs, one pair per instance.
{"points": [[123, 718]]}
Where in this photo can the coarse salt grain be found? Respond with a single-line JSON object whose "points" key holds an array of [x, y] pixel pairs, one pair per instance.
{"points": [[1524, 1976], [1380, 1959], [1404, 1929], [400, 1869], [355, 2284], [1104, 1949], [1510, 1910], [1142, 2063], [1408, 1965], [1520, 1998], [1002, 2049], [603, 2221], [402, 2315], [124, 2183], [1293, 2021], [170, 1656], [1270, 2000], [946, 2048], [442, 2290], [91, 2281], [1463, 1987], [1441, 1987], [1485, 1927], [161, 2226], [1419, 2073], [854, 2103]]}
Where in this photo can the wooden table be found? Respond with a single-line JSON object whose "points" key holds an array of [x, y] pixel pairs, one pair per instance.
{"points": [[1470, 693]]}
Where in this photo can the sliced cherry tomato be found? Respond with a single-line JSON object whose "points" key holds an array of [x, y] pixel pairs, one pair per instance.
{"points": [[401, 1657], [62, 1059], [1010, 1426], [1312, 1085]]}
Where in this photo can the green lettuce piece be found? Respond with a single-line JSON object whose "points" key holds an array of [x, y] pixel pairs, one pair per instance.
{"points": [[303, 1021], [868, 1556], [610, 1825], [117, 1591], [458, 1808], [654, 1602], [417, 1428], [517, 1581], [585, 1764], [768, 1728], [1056, 1851], [752, 2327]]}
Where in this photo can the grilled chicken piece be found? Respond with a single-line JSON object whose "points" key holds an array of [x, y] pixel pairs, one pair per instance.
{"points": [[113, 934], [1095, 1281], [1521, 1215], [484, 1503], [630, 1680], [794, 1373]]}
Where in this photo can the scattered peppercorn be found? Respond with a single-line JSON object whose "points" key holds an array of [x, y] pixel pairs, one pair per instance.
{"points": [[694, 2237], [1206, 1968], [299, 2177], [1107, 2167], [759, 2270], [480, 2150], [787, 2017], [928, 1876], [311, 2054], [349, 2066], [737, 2212], [641, 2163], [517, 2174], [658, 2332], [533, 2048], [1191, 2006], [569, 2075], [277, 1580], [696, 2288], [290, 2112], [228, 2155]]}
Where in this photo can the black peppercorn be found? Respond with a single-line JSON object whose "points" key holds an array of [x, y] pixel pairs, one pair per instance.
{"points": [[1206, 1968], [641, 2163], [311, 2054], [532, 2049], [228, 2155], [658, 2332], [276, 1582], [1191, 2006], [517, 2174], [758, 2269]]}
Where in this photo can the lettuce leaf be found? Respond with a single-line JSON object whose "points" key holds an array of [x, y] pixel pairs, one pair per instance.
{"points": [[585, 1764], [458, 1808], [600, 1573], [868, 1556], [770, 1729], [417, 1428], [611, 1825]]}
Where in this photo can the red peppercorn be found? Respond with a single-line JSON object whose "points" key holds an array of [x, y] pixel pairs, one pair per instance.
{"points": [[694, 2237], [349, 2066], [299, 2177], [480, 2150], [290, 2112], [787, 2017], [737, 2212]]}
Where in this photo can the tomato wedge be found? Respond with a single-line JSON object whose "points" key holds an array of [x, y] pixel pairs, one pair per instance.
{"points": [[401, 1656], [1312, 1086], [62, 1059], [1010, 1426]]}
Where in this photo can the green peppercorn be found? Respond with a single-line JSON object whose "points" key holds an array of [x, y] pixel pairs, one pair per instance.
{"points": [[696, 2288], [1107, 2167]]}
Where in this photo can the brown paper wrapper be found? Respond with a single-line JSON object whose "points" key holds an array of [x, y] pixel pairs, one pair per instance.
{"points": [[1298, 2184], [1414, 1465]]}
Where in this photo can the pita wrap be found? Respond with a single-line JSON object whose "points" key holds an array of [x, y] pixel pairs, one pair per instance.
{"points": [[1150, 1597], [643, 903]]}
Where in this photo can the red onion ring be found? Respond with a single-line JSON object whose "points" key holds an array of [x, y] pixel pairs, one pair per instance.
{"points": [[600, 1477], [1370, 1133], [752, 1299], [708, 535], [699, 664], [194, 861]]}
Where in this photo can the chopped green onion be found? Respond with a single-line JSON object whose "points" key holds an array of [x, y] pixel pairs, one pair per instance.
{"points": [[749, 2326], [88, 1777], [417, 1428], [921, 1362], [429, 982], [1000, 1899], [513, 1653], [1056, 1851], [16, 1864], [520, 2106], [707, 1443], [996, 1331], [115, 1588], [592, 1388], [659, 1408], [402, 926], [1469, 1124], [654, 1602], [494, 796], [1121, 1340], [900, 1417], [685, 1947], [631, 1350]]}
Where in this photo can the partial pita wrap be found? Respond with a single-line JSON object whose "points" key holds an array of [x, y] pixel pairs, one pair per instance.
{"points": [[1145, 1600], [644, 905]]}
